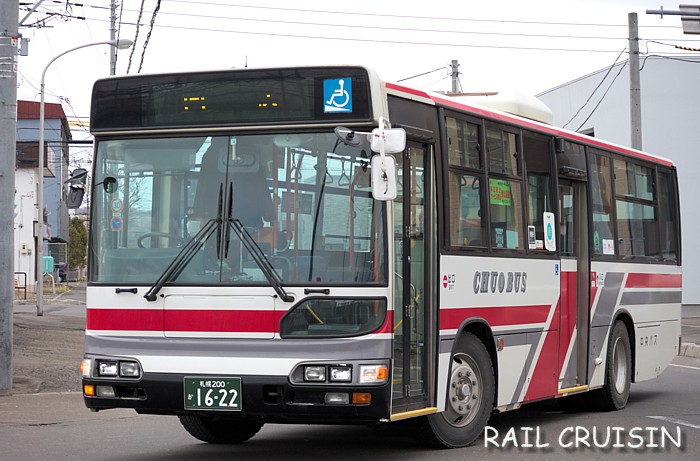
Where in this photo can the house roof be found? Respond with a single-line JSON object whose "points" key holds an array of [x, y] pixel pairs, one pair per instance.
{"points": [[30, 110]]}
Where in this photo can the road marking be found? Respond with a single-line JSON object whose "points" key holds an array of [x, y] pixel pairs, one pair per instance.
{"points": [[684, 366], [675, 421]]}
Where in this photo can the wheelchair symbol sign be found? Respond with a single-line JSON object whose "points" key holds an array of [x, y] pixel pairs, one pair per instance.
{"points": [[337, 95]]}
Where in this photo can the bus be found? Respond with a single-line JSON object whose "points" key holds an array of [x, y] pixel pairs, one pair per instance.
{"points": [[314, 245]]}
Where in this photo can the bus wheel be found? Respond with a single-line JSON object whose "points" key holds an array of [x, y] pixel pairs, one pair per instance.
{"points": [[219, 430], [470, 395], [618, 371]]}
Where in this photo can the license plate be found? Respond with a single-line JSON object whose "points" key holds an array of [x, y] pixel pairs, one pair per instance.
{"points": [[203, 393]]}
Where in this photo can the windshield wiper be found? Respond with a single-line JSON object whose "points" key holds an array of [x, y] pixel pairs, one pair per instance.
{"points": [[183, 258], [260, 259]]}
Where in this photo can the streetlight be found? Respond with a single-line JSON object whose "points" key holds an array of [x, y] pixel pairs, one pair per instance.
{"points": [[121, 44]]}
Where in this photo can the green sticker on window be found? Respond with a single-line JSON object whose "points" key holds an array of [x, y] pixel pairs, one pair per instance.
{"points": [[499, 192]]}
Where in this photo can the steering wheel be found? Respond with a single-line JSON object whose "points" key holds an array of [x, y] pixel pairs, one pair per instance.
{"points": [[150, 235]]}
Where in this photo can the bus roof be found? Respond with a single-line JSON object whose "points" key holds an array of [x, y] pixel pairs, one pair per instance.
{"points": [[498, 115]]}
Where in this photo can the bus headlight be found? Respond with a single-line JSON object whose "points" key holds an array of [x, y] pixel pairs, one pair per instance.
{"points": [[129, 369], [315, 373], [111, 368], [374, 374], [107, 368], [340, 373], [86, 368]]}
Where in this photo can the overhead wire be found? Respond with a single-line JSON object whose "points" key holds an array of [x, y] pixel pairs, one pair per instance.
{"points": [[136, 35], [596, 88], [148, 36], [420, 75], [603, 97]]}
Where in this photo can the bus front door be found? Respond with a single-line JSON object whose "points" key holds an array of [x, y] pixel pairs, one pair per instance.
{"points": [[575, 286], [411, 267]]}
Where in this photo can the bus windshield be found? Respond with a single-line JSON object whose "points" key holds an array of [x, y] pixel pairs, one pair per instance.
{"points": [[302, 199]]}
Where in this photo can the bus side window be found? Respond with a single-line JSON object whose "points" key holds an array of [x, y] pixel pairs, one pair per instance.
{"points": [[601, 202], [539, 200], [667, 213], [467, 226]]}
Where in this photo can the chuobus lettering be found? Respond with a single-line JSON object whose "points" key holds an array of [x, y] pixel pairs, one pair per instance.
{"points": [[492, 282]]}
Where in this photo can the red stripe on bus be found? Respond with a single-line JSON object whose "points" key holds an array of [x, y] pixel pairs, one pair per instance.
{"points": [[195, 320], [554, 131], [544, 378], [219, 321], [451, 319], [124, 319], [654, 281]]}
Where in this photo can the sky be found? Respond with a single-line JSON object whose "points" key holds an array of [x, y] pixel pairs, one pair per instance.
{"points": [[528, 46]]}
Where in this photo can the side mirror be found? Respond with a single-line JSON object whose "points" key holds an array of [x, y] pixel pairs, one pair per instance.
{"points": [[384, 177], [394, 140], [109, 184], [75, 190], [74, 197]]}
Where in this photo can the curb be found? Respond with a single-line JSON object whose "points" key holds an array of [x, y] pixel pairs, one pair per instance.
{"points": [[690, 350]]}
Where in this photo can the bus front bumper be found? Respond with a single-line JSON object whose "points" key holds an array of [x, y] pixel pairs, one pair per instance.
{"points": [[264, 398]]}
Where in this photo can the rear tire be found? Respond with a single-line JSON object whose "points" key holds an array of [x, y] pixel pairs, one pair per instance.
{"points": [[470, 395], [219, 430], [618, 371]]}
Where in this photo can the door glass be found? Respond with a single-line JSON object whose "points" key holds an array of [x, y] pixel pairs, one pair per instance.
{"points": [[409, 275], [398, 283], [417, 262], [566, 219]]}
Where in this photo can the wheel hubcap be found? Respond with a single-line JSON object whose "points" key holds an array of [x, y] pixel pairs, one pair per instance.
{"points": [[465, 391], [620, 365]]}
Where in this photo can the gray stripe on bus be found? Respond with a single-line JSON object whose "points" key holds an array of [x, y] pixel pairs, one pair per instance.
{"points": [[511, 338], [532, 339], [242, 348], [636, 298], [603, 317]]}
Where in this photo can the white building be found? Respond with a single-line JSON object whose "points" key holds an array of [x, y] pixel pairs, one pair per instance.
{"points": [[670, 96], [57, 136]]}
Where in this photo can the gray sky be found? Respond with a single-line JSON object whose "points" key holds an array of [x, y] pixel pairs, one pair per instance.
{"points": [[528, 46]]}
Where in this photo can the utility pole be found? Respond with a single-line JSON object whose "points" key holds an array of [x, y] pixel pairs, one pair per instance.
{"points": [[635, 84], [9, 38], [113, 37], [455, 75]]}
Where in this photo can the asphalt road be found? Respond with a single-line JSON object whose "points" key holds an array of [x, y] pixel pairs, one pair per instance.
{"points": [[56, 426], [46, 419]]}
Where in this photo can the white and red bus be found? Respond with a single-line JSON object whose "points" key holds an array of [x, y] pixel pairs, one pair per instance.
{"points": [[256, 256]]}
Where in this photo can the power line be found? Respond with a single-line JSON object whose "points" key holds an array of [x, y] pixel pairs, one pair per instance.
{"points": [[420, 75], [136, 34], [398, 16], [370, 40], [148, 36], [596, 88], [604, 95]]}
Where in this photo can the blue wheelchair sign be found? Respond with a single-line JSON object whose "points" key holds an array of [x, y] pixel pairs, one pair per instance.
{"points": [[337, 95]]}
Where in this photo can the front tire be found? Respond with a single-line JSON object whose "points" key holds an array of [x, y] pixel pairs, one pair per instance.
{"points": [[470, 396], [618, 371], [219, 430]]}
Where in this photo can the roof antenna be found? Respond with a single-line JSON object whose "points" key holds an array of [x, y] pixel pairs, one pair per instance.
{"points": [[246, 60]]}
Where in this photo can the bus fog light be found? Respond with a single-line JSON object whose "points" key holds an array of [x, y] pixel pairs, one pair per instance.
{"points": [[361, 398], [315, 373], [337, 398], [374, 374], [106, 368], [129, 369], [105, 391], [340, 373]]}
